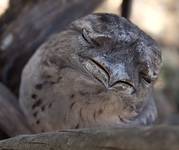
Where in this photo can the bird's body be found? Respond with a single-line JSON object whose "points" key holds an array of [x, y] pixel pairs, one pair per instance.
{"points": [[97, 73]]}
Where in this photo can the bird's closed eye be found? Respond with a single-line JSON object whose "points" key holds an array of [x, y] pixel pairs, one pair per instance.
{"points": [[95, 39], [100, 66], [146, 79], [97, 70], [86, 37], [147, 75]]}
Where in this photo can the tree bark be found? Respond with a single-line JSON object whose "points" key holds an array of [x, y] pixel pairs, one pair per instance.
{"points": [[156, 138], [12, 120], [27, 24]]}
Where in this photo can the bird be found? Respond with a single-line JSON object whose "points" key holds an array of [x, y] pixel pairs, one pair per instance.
{"points": [[99, 72]]}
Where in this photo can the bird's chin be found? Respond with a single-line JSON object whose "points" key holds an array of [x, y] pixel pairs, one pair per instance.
{"points": [[146, 117], [93, 105]]}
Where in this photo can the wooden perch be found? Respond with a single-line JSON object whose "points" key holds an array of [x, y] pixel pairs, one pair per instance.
{"points": [[12, 120], [156, 138]]}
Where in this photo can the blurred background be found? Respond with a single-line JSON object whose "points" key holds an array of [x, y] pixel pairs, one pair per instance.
{"points": [[160, 19]]}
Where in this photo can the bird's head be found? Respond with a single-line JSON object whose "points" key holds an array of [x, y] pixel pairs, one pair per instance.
{"points": [[114, 55]]}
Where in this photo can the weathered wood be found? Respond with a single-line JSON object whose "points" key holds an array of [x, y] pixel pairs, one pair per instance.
{"points": [[12, 120], [35, 22], [156, 138]]}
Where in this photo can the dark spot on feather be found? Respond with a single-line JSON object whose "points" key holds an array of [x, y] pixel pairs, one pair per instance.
{"points": [[72, 104], [94, 115], [49, 105], [82, 93], [77, 126], [37, 103], [81, 114], [43, 108], [38, 122], [34, 96], [35, 114], [72, 95], [48, 76], [38, 86], [100, 112], [121, 119]]}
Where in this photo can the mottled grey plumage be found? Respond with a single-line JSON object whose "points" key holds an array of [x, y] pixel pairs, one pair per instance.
{"points": [[99, 72]]}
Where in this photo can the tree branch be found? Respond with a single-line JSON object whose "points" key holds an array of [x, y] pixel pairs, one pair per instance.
{"points": [[156, 138], [35, 21], [12, 120]]}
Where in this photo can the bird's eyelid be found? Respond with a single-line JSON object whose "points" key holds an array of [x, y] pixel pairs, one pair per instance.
{"points": [[94, 38], [102, 38], [86, 37]]}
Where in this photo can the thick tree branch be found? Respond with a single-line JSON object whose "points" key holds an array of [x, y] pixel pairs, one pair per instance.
{"points": [[33, 24], [156, 138], [12, 120]]}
